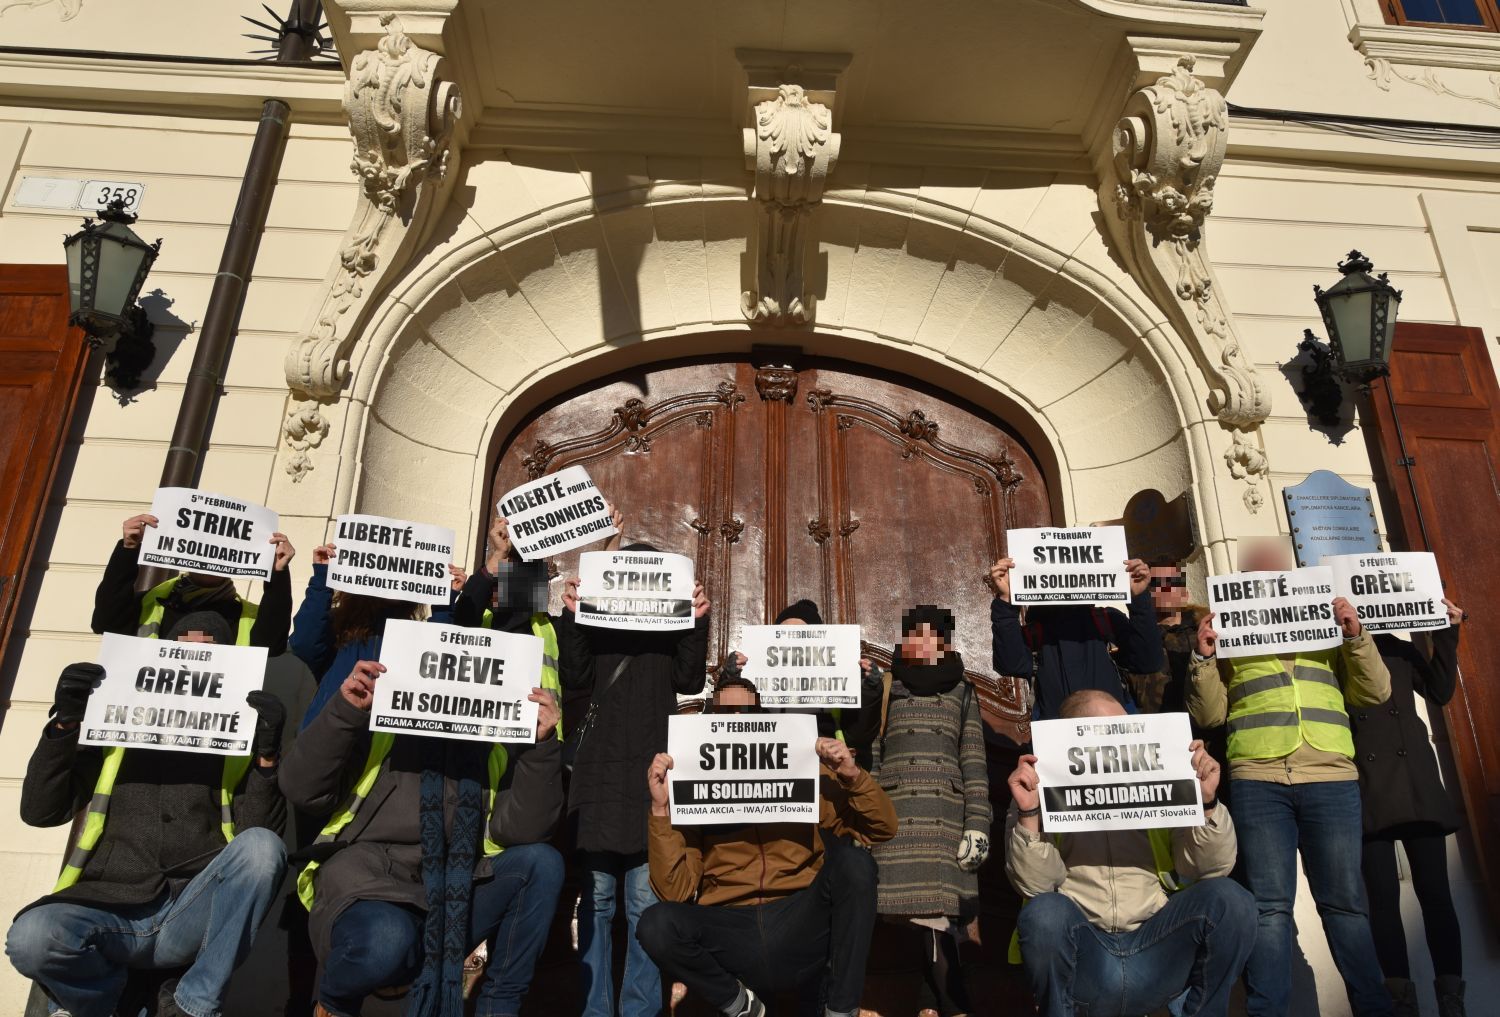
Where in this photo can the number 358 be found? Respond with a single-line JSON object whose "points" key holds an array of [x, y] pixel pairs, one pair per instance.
{"points": [[106, 194]]}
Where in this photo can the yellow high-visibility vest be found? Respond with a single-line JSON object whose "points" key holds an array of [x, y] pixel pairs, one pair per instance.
{"points": [[153, 611], [1272, 711]]}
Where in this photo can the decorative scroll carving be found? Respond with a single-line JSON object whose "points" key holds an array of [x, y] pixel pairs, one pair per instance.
{"points": [[633, 417], [401, 115], [1380, 70], [776, 384], [67, 10], [731, 528], [1248, 463], [792, 148]]}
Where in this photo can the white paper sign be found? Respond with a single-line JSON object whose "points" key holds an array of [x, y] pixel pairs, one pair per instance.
{"points": [[645, 590], [1396, 592], [1083, 565], [447, 681], [743, 768], [811, 666], [1116, 773], [556, 514], [1272, 613], [186, 697], [203, 532], [391, 558]]}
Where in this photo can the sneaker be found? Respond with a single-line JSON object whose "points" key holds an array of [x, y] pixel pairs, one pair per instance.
{"points": [[753, 1007]]}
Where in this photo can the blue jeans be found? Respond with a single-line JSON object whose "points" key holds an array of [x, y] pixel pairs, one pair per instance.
{"points": [[640, 989], [82, 954], [1323, 821], [1198, 941], [378, 945]]}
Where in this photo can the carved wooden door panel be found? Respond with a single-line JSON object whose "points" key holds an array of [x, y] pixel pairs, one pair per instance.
{"points": [[865, 492]]}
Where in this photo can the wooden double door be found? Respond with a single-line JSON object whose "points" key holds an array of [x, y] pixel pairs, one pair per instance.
{"points": [[864, 491]]}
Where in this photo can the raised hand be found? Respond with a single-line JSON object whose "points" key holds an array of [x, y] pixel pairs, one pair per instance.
{"points": [[656, 780], [1347, 617], [838, 758], [1207, 768], [270, 721], [1140, 576], [499, 545], [323, 553], [701, 603], [74, 686], [359, 688], [1208, 638], [547, 713], [570, 594], [999, 577], [135, 528], [285, 552]]}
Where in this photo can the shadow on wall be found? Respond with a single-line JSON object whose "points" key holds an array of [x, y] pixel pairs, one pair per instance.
{"points": [[137, 367], [1323, 395]]}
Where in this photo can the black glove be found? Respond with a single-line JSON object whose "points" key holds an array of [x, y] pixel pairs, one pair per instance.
{"points": [[270, 719], [729, 667], [74, 686]]}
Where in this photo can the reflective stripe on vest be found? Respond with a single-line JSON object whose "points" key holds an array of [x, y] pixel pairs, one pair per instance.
{"points": [[542, 628], [380, 748], [153, 611], [1273, 710], [1166, 872], [235, 768]]}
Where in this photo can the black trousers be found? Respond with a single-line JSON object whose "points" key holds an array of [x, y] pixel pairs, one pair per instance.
{"points": [[787, 944], [1427, 852]]}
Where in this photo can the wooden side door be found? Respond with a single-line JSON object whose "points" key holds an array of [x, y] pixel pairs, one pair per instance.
{"points": [[41, 366], [1448, 404]]}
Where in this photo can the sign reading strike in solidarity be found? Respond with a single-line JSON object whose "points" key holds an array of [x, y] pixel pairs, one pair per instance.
{"points": [[1396, 592], [810, 666], [452, 682], [743, 768], [1260, 613], [1116, 773], [650, 590], [203, 532], [1084, 565], [556, 514], [188, 697], [391, 558]]}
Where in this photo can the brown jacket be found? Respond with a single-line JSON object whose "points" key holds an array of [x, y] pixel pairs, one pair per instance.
{"points": [[754, 863]]}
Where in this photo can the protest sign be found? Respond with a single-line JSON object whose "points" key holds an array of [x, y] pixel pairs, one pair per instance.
{"points": [[1263, 613], [1400, 591], [1083, 565], [447, 681], [645, 590], [1116, 773], [809, 666], [391, 558], [556, 514], [186, 697], [202, 532], [743, 768]]}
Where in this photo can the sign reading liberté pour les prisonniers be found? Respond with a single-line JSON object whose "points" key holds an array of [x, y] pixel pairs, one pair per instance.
{"points": [[1116, 773], [202, 532], [556, 514], [1261, 613], [1082, 565], [803, 666], [391, 558], [446, 681], [646, 590], [1400, 591], [743, 768], [186, 697]]}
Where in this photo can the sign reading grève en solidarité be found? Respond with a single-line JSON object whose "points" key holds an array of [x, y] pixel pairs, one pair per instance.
{"points": [[1081, 565], [650, 591], [203, 532], [1116, 773], [186, 697], [556, 513], [447, 681], [743, 768], [803, 666], [1261, 613], [1399, 591], [391, 558]]}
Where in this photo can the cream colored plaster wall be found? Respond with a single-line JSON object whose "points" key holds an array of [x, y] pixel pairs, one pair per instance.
{"points": [[211, 28]]}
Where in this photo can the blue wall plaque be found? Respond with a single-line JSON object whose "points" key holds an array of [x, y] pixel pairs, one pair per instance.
{"points": [[1329, 515]]}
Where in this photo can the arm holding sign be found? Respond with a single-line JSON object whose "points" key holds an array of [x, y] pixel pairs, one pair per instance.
{"points": [[575, 667], [258, 800], [273, 619], [853, 803], [676, 861], [1138, 636], [1032, 861], [60, 775], [314, 775], [530, 800], [1207, 851], [1008, 642], [117, 607], [1435, 678], [1365, 679], [312, 629], [691, 651], [1207, 696]]}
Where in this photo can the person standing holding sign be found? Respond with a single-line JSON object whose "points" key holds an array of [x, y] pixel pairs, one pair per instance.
{"points": [[753, 908], [1295, 785], [633, 679], [119, 608], [1123, 921], [179, 860], [431, 846]]}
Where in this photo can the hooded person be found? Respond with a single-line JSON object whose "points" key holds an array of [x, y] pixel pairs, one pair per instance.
{"points": [[930, 759], [632, 680], [176, 867]]}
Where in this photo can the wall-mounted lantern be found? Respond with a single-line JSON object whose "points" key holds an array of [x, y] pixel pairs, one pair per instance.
{"points": [[107, 265]]}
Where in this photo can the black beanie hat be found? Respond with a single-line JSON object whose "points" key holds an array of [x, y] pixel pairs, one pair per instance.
{"points": [[642, 546], [210, 623], [806, 610], [941, 620]]}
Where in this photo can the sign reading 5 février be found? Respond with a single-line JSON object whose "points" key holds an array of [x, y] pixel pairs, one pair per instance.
{"points": [[1400, 591]]}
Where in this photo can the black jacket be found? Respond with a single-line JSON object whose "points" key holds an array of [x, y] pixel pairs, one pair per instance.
{"points": [[1398, 770], [608, 796], [1072, 648], [163, 823], [117, 604]]}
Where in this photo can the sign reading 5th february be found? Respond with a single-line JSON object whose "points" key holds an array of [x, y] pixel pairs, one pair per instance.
{"points": [[1116, 773], [204, 532], [743, 768]]}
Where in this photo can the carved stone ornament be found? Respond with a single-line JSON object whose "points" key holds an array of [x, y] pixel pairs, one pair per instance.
{"points": [[1247, 462], [792, 148], [401, 115], [67, 10], [776, 384]]}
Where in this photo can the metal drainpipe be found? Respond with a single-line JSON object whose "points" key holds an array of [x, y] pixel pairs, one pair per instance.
{"points": [[184, 463]]}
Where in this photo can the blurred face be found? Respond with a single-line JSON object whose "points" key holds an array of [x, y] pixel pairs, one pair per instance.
{"points": [[1269, 556], [194, 636], [923, 645], [1168, 588], [793, 621], [734, 699], [1101, 706]]}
